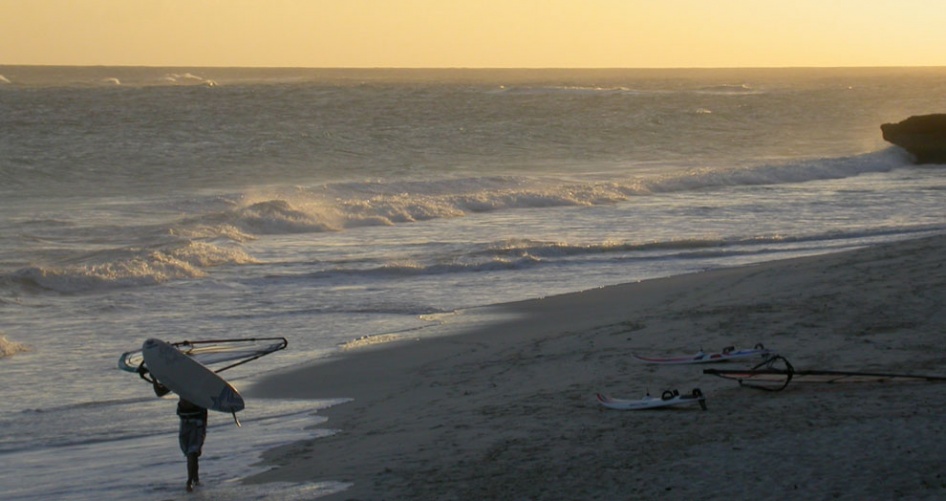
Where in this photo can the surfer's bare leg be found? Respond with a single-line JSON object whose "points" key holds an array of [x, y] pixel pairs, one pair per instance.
{"points": [[192, 471]]}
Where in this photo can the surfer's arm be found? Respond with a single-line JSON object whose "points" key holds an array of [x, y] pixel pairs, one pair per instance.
{"points": [[159, 389]]}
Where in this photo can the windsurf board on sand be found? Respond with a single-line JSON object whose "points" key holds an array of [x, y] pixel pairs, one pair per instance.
{"points": [[189, 379], [727, 354], [667, 399]]}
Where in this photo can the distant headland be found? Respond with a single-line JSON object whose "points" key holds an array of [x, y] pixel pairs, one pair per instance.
{"points": [[924, 136]]}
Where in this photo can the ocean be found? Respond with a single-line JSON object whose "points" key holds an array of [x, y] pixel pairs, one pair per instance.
{"points": [[341, 207]]}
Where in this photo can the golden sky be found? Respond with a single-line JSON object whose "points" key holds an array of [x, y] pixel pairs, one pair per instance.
{"points": [[474, 33]]}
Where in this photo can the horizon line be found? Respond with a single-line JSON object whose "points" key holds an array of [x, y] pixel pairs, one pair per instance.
{"points": [[468, 68]]}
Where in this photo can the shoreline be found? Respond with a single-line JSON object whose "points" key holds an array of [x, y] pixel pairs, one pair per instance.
{"points": [[507, 411]]}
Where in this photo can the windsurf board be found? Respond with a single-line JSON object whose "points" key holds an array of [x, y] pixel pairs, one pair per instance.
{"points": [[667, 399], [726, 355], [189, 379]]}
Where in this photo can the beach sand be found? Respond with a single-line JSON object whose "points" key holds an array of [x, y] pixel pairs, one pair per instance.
{"points": [[509, 411]]}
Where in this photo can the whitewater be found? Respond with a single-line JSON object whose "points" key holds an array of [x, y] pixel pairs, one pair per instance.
{"points": [[339, 208]]}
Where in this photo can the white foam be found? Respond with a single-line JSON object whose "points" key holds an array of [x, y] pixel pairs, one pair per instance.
{"points": [[372, 340], [349, 205], [187, 79], [9, 348], [134, 268]]}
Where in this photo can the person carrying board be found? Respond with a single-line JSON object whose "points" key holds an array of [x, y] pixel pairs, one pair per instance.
{"points": [[193, 428], [199, 389]]}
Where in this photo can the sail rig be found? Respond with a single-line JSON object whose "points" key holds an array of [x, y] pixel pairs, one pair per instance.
{"points": [[776, 373], [213, 352]]}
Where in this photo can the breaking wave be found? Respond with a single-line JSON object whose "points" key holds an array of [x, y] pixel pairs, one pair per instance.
{"points": [[565, 90], [735, 89], [9, 348], [131, 268], [187, 79], [213, 236], [341, 206]]}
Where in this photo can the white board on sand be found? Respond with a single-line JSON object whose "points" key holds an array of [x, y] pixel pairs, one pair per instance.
{"points": [[669, 398], [188, 378]]}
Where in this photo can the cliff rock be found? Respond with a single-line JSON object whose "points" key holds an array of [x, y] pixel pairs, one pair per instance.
{"points": [[924, 136]]}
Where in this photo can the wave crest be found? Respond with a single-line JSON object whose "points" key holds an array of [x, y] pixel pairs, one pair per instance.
{"points": [[131, 268], [280, 216], [10, 348], [340, 206], [187, 79], [373, 204]]}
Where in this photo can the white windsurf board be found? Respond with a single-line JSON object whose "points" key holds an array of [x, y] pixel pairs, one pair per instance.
{"points": [[668, 399], [189, 379]]}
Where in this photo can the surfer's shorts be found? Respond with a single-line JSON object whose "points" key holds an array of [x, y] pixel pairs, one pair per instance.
{"points": [[191, 436]]}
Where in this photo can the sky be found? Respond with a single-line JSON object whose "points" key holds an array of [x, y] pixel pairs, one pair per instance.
{"points": [[474, 33]]}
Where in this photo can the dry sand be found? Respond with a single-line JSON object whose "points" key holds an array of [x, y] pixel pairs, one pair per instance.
{"points": [[508, 412]]}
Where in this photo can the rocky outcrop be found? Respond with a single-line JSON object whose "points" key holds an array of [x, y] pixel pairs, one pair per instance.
{"points": [[924, 136]]}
